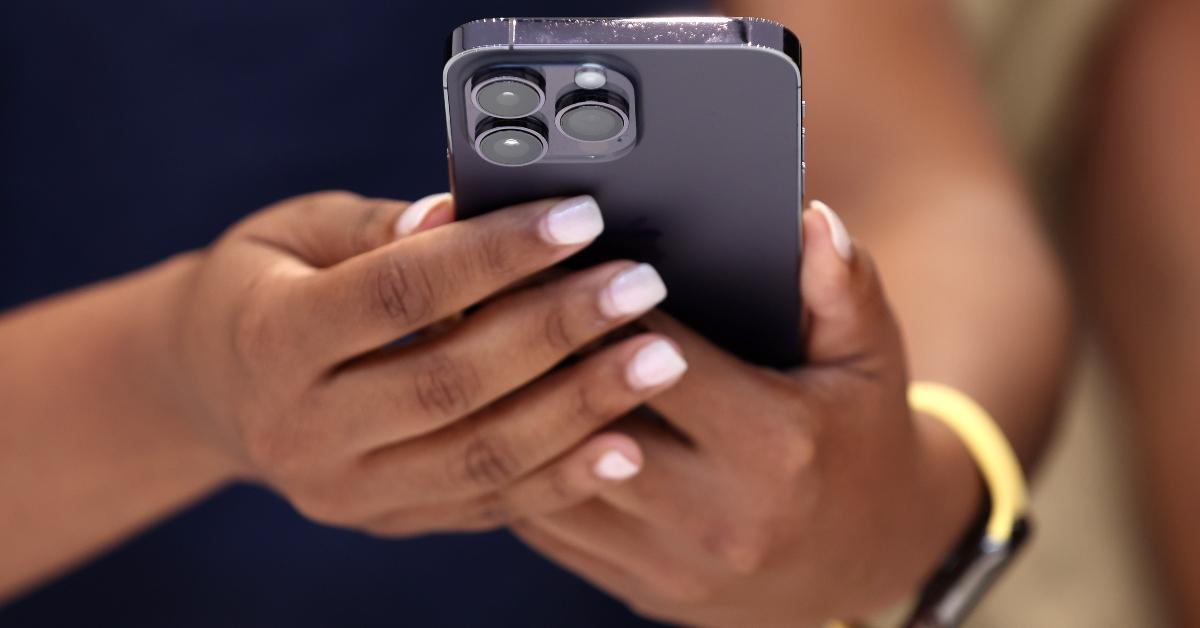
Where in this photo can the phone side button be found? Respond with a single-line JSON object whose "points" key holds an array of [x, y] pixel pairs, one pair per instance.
{"points": [[803, 144]]}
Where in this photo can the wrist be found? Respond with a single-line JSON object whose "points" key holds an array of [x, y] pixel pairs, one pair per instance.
{"points": [[91, 436], [949, 487], [154, 327]]}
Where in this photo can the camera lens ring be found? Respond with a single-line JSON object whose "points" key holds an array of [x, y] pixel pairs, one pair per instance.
{"points": [[519, 77], [511, 132], [601, 99]]}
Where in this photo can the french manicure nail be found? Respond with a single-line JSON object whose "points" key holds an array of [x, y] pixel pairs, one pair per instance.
{"points": [[573, 221], [654, 365], [837, 231], [613, 465], [632, 292], [415, 214]]}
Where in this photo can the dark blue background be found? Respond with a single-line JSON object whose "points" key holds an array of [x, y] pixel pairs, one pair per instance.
{"points": [[132, 130]]}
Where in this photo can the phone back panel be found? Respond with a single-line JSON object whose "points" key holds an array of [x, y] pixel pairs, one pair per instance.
{"points": [[711, 192]]}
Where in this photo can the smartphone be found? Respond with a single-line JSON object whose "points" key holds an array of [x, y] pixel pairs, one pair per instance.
{"points": [[687, 131]]}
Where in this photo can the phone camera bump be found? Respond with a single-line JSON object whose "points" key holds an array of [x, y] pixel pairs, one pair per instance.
{"points": [[592, 116], [511, 142], [509, 93]]}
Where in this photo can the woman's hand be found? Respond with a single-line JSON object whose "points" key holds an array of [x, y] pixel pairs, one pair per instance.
{"points": [[286, 355], [784, 499]]}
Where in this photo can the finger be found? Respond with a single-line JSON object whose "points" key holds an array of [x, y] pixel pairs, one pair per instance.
{"points": [[731, 408], [673, 485], [372, 299], [666, 565], [522, 432], [850, 321], [324, 228], [598, 571], [430, 212], [605, 460], [509, 342], [722, 403]]}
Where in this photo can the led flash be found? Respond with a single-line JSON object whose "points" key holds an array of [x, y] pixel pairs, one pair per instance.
{"points": [[590, 76]]}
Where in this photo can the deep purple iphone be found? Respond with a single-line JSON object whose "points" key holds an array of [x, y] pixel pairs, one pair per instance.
{"points": [[689, 133]]}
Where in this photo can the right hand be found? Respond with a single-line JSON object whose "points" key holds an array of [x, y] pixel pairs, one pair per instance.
{"points": [[284, 343]]}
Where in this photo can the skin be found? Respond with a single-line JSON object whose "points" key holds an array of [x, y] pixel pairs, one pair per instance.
{"points": [[259, 358], [770, 499], [749, 521], [1139, 260], [826, 496]]}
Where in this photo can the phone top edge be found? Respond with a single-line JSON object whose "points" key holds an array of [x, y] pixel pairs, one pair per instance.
{"points": [[752, 32]]}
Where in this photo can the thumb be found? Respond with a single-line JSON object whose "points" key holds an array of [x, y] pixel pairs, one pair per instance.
{"points": [[432, 211], [849, 321], [325, 228]]}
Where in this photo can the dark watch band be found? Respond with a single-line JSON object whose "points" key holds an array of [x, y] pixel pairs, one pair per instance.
{"points": [[963, 579]]}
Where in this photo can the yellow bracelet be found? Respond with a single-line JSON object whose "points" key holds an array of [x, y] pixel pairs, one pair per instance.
{"points": [[988, 446], [1005, 484]]}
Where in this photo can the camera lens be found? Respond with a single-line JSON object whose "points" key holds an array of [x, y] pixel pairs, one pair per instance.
{"points": [[511, 142], [509, 94], [592, 116]]}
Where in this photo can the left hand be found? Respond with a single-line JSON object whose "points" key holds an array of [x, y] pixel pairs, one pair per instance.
{"points": [[784, 499]]}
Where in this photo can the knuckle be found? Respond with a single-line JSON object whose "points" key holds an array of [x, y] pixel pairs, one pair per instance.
{"points": [[590, 407], [794, 451], [402, 291], [870, 300], [337, 194], [256, 338], [562, 487], [283, 443], [446, 387], [272, 450], [488, 463], [740, 549], [329, 196], [494, 511], [313, 202], [682, 588], [328, 496], [496, 254], [394, 527], [366, 233], [384, 529], [556, 328], [744, 555], [322, 508], [787, 445], [643, 604], [867, 292]]}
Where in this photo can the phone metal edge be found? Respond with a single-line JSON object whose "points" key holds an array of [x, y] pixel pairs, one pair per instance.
{"points": [[501, 32]]}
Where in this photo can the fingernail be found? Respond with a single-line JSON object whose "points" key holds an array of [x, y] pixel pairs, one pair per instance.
{"points": [[613, 465], [573, 221], [415, 214], [837, 230], [654, 365], [632, 292]]}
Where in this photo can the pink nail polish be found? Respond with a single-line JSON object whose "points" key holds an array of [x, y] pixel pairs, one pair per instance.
{"points": [[633, 292], [415, 214], [837, 231], [654, 365], [573, 221], [613, 465]]}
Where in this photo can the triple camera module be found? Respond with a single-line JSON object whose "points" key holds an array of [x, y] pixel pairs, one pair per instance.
{"points": [[516, 124]]}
